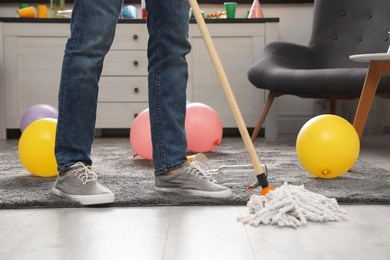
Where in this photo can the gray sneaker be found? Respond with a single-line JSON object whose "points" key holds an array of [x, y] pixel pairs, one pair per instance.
{"points": [[191, 180], [80, 184]]}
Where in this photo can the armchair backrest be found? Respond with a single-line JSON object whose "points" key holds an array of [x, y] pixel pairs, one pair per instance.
{"points": [[345, 27]]}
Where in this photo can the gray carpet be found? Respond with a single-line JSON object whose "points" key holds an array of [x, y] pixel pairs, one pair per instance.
{"points": [[131, 179]]}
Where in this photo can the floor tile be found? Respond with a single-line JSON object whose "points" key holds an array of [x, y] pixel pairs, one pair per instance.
{"points": [[126, 233], [206, 233]]}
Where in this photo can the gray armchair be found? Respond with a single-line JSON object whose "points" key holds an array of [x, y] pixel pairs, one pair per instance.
{"points": [[323, 69]]}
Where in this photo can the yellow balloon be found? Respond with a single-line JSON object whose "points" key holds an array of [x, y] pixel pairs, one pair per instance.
{"points": [[327, 146], [36, 147]]}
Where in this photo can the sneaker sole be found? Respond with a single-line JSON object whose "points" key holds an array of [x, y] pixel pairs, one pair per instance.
{"points": [[210, 194], [86, 199]]}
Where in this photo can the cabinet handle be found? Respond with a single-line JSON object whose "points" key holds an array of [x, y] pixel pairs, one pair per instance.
{"points": [[135, 62], [135, 36], [136, 90]]}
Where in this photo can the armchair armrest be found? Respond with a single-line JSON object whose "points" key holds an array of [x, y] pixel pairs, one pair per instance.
{"points": [[290, 55]]}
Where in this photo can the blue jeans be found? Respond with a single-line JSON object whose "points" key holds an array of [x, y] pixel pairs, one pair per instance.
{"points": [[93, 26]]}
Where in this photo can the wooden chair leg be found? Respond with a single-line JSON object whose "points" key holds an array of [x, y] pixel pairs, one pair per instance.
{"points": [[374, 73], [263, 114]]}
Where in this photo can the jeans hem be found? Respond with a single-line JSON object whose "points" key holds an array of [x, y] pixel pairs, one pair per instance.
{"points": [[168, 168]]}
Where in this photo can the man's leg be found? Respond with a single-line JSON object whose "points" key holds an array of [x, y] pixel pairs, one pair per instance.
{"points": [[168, 24], [93, 26]]}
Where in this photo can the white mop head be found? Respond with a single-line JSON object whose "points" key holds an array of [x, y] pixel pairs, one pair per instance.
{"points": [[292, 206]]}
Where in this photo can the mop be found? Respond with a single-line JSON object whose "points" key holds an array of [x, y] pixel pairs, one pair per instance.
{"points": [[260, 175], [292, 206], [285, 206]]}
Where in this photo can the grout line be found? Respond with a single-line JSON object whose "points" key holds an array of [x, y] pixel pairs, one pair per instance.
{"points": [[246, 232], [166, 236], [32, 213], [86, 234]]}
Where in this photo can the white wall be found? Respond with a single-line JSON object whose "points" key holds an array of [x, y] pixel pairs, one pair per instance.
{"points": [[295, 26]]}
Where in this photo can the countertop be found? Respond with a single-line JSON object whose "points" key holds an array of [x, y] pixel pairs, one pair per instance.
{"points": [[65, 20]]}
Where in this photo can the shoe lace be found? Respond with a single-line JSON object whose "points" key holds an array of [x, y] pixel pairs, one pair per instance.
{"points": [[197, 169], [84, 173]]}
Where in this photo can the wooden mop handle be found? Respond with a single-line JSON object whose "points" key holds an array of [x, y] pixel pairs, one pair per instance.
{"points": [[228, 91]]}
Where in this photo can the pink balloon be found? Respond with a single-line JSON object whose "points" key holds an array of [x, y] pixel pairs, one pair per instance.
{"points": [[203, 128], [140, 136]]}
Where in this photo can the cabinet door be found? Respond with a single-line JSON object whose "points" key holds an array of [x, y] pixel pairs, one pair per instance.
{"points": [[118, 114], [237, 47], [32, 73], [131, 37], [125, 63], [34, 53]]}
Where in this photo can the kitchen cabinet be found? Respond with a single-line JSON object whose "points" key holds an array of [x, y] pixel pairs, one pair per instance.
{"points": [[32, 52]]}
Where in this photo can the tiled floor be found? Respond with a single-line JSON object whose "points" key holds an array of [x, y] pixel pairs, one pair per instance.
{"points": [[195, 232]]}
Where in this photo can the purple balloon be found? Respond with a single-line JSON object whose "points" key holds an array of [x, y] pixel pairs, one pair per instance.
{"points": [[37, 112]]}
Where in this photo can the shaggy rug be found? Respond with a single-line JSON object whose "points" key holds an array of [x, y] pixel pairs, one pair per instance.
{"points": [[132, 180]]}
